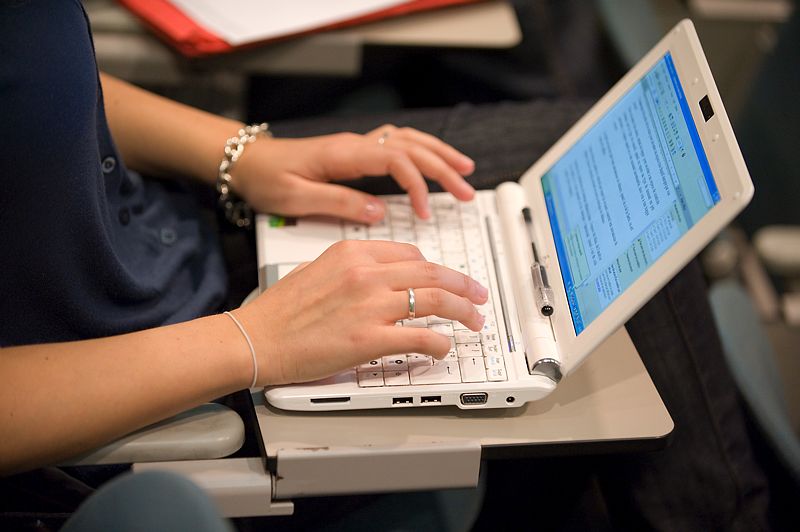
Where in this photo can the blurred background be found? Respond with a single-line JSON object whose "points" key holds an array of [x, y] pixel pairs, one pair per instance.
{"points": [[557, 49]]}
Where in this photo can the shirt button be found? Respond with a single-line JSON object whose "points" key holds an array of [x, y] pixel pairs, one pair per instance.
{"points": [[108, 165], [124, 216], [168, 236]]}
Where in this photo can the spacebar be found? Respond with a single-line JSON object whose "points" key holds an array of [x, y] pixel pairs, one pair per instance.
{"points": [[440, 373]]}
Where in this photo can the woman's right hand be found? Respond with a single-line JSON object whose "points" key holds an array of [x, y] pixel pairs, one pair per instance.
{"points": [[340, 310]]}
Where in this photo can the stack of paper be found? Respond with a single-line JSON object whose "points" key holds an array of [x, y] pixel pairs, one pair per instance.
{"points": [[205, 27]]}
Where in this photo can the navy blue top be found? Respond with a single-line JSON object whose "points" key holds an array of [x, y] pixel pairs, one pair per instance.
{"points": [[87, 247]]}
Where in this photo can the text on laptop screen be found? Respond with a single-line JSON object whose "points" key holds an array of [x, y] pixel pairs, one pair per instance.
{"points": [[627, 191]]}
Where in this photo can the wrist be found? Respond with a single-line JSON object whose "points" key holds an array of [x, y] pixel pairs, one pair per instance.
{"points": [[255, 321], [236, 210], [251, 349], [236, 350]]}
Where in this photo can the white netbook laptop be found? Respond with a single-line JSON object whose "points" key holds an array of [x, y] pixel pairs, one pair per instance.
{"points": [[629, 195]]}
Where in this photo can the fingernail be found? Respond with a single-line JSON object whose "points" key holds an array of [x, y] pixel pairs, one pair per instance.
{"points": [[482, 290], [373, 210], [466, 161]]}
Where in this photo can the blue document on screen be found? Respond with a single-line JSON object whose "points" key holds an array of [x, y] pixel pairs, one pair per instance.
{"points": [[636, 182]]}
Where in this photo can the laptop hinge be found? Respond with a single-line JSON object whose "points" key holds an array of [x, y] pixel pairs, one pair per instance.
{"points": [[542, 353], [313, 471]]}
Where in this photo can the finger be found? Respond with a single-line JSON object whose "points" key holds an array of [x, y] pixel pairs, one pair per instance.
{"points": [[410, 179], [436, 168], [394, 340], [463, 164], [339, 201], [436, 302], [381, 251], [403, 275], [377, 159]]}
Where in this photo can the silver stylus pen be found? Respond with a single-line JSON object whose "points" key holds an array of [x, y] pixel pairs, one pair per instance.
{"points": [[541, 286]]}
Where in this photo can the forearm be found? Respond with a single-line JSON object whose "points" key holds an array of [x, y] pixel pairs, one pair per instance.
{"points": [[58, 400], [162, 137]]}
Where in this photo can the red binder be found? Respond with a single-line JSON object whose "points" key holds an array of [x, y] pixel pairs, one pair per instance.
{"points": [[192, 40]]}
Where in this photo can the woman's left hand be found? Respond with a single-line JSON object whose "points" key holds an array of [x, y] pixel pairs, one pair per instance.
{"points": [[292, 176]]}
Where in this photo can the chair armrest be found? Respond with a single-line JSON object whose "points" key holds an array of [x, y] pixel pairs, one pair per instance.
{"points": [[208, 431]]}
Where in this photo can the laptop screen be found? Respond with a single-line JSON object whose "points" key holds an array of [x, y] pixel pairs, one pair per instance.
{"points": [[626, 191]]}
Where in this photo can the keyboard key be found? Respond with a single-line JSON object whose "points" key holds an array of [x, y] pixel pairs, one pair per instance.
{"points": [[489, 326], [472, 369], [489, 338], [491, 349], [447, 373], [415, 359], [380, 233], [442, 328], [429, 250], [469, 350], [372, 365], [400, 200], [453, 246], [469, 207], [496, 374], [402, 219], [404, 231], [453, 257], [396, 378], [476, 271], [473, 236], [395, 363], [437, 319], [370, 379], [355, 232], [482, 278], [494, 361], [467, 337]]}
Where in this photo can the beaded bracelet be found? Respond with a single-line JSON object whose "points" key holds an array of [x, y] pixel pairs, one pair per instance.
{"points": [[236, 210]]}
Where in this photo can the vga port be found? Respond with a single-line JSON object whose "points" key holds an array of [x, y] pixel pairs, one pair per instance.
{"points": [[474, 398]]}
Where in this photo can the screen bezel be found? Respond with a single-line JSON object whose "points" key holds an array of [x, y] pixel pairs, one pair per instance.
{"points": [[727, 167]]}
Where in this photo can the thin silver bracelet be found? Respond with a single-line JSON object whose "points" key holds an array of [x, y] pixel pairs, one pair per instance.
{"points": [[236, 210], [249, 344]]}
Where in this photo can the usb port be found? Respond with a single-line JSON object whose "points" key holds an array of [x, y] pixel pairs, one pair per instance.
{"points": [[402, 400], [431, 399]]}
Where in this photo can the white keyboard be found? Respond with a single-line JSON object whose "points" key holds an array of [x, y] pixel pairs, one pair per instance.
{"points": [[451, 237]]}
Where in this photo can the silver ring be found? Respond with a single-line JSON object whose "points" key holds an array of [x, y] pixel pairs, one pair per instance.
{"points": [[412, 304], [382, 139]]}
